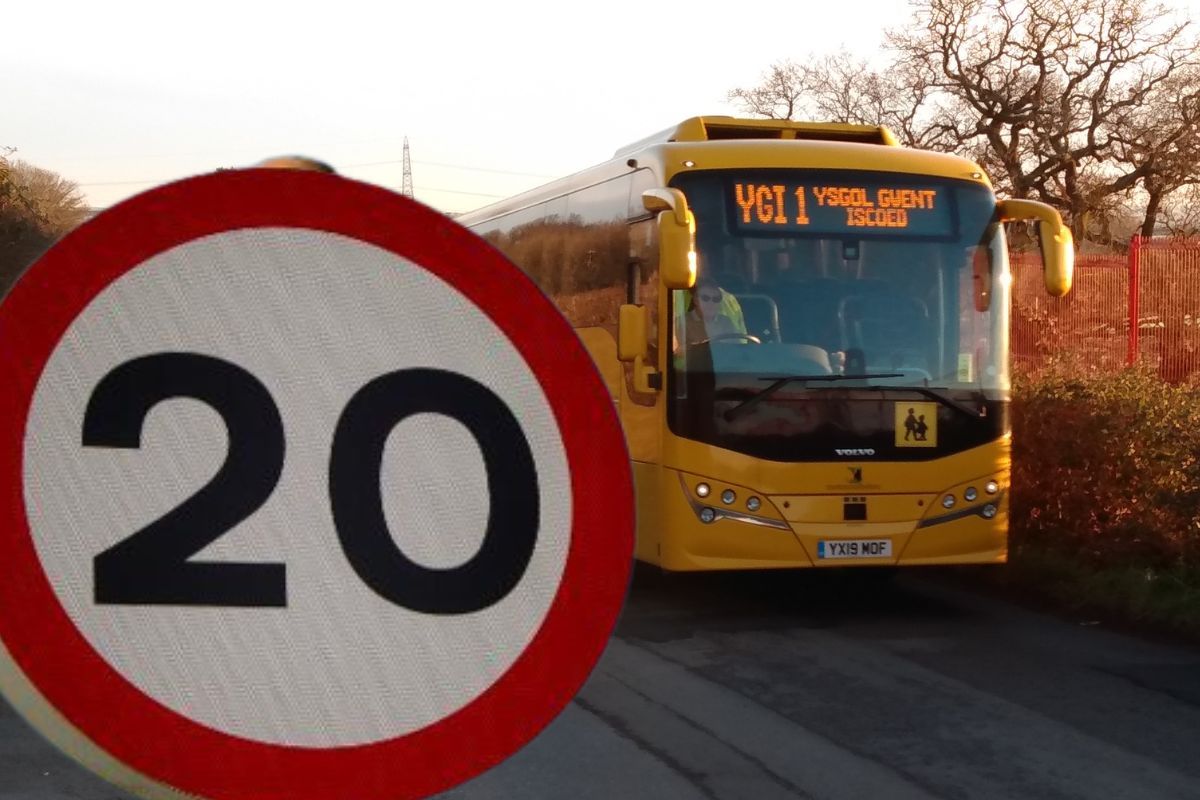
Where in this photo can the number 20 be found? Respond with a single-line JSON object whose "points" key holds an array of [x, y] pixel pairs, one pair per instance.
{"points": [[152, 566]]}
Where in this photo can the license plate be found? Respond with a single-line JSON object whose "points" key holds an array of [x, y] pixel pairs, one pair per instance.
{"points": [[855, 548]]}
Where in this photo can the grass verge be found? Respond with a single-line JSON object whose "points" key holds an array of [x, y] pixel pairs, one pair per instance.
{"points": [[1156, 600]]}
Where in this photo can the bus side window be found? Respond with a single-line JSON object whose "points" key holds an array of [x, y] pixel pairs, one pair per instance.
{"points": [[642, 279], [643, 254]]}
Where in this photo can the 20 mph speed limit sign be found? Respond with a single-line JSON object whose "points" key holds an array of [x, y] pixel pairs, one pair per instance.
{"points": [[306, 493]]}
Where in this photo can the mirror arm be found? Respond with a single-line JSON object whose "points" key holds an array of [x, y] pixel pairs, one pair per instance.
{"points": [[655, 200], [1013, 210], [645, 379]]}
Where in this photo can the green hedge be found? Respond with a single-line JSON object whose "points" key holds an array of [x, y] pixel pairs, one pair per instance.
{"points": [[1106, 469]]}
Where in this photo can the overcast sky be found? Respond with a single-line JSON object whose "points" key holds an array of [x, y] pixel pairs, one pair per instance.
{"points": [[493, 97]]}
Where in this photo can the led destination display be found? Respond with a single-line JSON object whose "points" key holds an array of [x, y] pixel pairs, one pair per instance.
{"points": [[830, 208]]}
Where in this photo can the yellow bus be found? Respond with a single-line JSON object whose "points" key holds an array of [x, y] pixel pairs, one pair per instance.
{"points": [[804, 327]]}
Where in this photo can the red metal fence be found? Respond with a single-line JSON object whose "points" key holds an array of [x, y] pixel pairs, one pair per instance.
{"points": [[1143, 305]]}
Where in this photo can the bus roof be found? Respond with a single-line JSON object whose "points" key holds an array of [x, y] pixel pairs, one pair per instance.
{"points": [[710, 128], [729, 143]]}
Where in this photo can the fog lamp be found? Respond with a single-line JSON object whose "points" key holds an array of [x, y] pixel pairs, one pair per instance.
{"points": [[702, 489]]}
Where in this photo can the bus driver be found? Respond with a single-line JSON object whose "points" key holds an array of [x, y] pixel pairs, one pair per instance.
{"points": [[711, 313]]}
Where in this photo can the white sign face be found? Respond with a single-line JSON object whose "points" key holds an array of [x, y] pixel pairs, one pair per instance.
{"points": [[349, 312], [298, 499]]}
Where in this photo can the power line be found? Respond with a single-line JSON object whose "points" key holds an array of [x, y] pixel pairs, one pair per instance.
{"points": [[344, 167], [485, 169], [396, 188], [452, 191], [130, 183], [452, 166]]}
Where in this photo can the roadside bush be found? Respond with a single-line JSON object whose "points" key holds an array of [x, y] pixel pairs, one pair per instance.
{"points": [[1106, 469], [36, 208]]}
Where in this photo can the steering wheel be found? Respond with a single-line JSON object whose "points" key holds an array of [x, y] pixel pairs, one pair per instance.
{"points": [[725, 337]]}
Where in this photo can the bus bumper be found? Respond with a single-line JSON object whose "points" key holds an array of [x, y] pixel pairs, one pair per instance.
{"points": [[795, 531]]}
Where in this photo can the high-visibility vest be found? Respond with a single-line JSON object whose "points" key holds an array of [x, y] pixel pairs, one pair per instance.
{"points": [[730, 309]]}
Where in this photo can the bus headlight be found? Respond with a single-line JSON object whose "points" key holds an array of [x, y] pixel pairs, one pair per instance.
{"points": [[728, 496], [948, 501], [991, 487], [702, 490], [989, 511], [754, 504], [970, 494], [707, 515]]}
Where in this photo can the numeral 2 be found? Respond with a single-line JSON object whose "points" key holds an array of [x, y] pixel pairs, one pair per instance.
{"points": [[151, 567]]}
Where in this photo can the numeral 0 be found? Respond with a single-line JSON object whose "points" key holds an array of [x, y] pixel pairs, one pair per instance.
{"points": [[152, 566]]}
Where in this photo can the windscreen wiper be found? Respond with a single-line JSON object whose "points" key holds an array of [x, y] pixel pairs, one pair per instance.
{"points": [[780, 382], [946, 400], [924, 391], [933, 394]]}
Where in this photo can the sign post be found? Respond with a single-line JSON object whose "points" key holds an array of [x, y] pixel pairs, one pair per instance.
{"points": [[305, 492]]}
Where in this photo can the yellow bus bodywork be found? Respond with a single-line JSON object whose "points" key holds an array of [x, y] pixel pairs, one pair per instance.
{"points": [[802, 504]]}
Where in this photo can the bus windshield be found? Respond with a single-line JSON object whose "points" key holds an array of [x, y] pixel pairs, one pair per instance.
{"points": [[823, 286]]}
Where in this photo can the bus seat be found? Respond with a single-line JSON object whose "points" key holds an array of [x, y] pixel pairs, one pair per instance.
{"points": [[762, 316], [809, 312], [891, 330]]}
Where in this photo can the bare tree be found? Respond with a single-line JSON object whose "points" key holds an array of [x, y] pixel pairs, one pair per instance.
{"points": [[1180, 213], [1072, 102], [1048, 84], [842, 88], [778, 96], [1162, 139]]}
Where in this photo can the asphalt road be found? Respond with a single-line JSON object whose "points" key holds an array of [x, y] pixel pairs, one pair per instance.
{"points": [[796, 685]]}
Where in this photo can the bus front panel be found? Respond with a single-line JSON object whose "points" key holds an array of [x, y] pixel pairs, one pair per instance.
{"points": [[843, 360]]}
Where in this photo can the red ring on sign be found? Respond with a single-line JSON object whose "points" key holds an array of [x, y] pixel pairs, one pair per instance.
{"points": [[171, 749]]}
